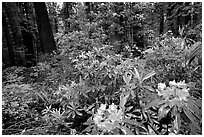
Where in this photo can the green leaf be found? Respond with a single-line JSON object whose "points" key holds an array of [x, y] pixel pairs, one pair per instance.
{"points": [[137, 75], [194, 51], [84, 94], [177, 123], [89, 128], [73, 115], [123, 98], [197, 102], [151, 131], [155, 102], [132, 86], [149, 75], [126, 130], [194, 108], [127, 77], [90, 107], [149, 88], [132, 122], [163, 111], [132, 93], [78, 113], [89, 121], [190, 116], [194, 125]]}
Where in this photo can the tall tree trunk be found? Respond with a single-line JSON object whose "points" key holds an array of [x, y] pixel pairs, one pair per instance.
{"points": [[46, 37], [67, 7], [56, 25], [192, 13], [161, 23], [88, 10], [27, 36], [52, 7], [12, 12], [8, 41]]}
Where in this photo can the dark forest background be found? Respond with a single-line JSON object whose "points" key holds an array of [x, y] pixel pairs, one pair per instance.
{"points": [[31, 29]]}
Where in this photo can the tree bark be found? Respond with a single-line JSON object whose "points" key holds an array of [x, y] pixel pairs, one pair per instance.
{"points": [[161, 24], [46, 37], [52, 12], [12, 12], [67, 7], [56, 25], [8, 41], [27, 35]]}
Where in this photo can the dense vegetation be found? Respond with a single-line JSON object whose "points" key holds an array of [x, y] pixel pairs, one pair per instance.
{"points": [[102, 68]]}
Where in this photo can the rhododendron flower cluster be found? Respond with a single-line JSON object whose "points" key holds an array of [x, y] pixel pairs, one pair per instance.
{"points": [[108, 119], [176, 90]]}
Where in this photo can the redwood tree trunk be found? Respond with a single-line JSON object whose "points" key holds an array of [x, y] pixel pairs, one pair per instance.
{"points": [[12, 12], [46, 37], [8, 41], [56, 25], [67, 7], [27, 35], [161, 24]]}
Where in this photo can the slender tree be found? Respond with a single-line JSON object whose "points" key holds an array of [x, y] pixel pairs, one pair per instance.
{"points": [[66, 15], [46, 37], [160, 10]]}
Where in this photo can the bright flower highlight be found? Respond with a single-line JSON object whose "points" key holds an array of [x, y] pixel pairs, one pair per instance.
{"points": [[108, 119], [180, 84], [176, 90]]}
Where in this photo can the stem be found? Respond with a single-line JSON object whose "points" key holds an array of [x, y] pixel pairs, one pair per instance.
{"points": [[137, 97]]}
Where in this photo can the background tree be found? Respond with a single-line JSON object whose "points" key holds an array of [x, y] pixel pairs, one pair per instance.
{"points": [[160, 10], [181, 14], [12, 12], [29, 31], [53, 12], [118, 24], [8, 40], [66, 13], [44, 28]]}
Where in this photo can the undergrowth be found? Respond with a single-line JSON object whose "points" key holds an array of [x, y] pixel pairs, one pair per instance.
{"points": [[88, 89]]}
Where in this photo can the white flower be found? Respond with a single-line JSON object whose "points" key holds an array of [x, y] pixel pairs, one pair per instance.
{"points": [[172, 83], [112, 108], [182, 84], [97, 119], [176, 90], [103, 107], [183, 94], [161, 86], [108, 119]]}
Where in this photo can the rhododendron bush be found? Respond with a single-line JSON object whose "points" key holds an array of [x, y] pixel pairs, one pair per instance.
{"points": [[106, 95]]}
